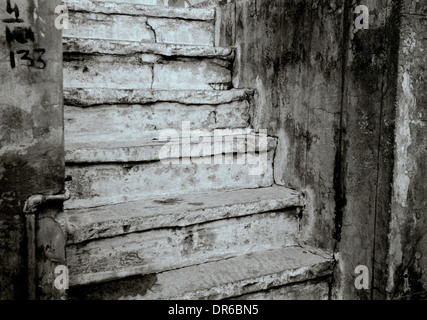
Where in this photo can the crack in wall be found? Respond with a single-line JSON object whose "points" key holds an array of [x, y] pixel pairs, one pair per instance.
{"points": [[152, 76], [152, 30], [338, 179]]}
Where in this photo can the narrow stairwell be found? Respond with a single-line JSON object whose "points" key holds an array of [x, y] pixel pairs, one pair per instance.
{"points": [[190, 224]]}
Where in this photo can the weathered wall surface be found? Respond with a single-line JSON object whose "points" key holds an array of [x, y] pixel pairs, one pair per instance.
{"points": [[290, 52], [368, 112], [383, 152], [408, 238], [31, 126], [343, 103]]}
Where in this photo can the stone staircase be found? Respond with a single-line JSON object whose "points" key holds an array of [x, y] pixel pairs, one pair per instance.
{"points": [[173, 193]]}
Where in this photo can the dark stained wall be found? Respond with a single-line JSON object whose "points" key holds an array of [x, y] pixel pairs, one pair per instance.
{"points": [[31, 126], [333, 96], [367, 146]]}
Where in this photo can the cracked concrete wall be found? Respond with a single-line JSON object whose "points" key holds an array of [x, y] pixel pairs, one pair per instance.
{"points": [[31, 128], [348, 109]]}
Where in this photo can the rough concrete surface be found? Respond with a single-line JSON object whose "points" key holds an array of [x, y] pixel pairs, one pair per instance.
{"points": [[105, 149], [134, 120], [102, 96], [281, 50], [221, 279], [407, 256], [31, 132], [122, 47], [171, 248], [307, 290], [159, 212], [144, 29], [143, 72], [101, 184], [346, 106]]}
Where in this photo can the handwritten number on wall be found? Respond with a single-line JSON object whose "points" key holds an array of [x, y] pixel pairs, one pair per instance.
{"points": [[39, 59], [30, 60], [22, 35], [26, 57], [12, 59], [11, 10]]}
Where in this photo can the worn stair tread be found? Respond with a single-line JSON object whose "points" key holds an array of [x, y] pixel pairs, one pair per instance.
{"points": [[174, 211], [222, 279], [125, 47], [86, 97], [135, 9], [99, 148], [123, 122]]}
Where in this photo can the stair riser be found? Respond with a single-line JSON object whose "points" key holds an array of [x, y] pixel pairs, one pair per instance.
{"points": [[136, 288], [172, 3], [308, 290], [166, 249], [140, 28], [131, 72], [102, 184], [117, 120], [145, 2], [91, 150]]}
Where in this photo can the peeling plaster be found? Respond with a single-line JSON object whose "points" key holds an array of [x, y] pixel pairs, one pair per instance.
{"points": [[403, 141], [406, 103]]}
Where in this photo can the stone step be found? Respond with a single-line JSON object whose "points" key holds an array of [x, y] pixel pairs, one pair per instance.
{"points": [[138, 22], [88, 97], [121, 47], [141, 70], [125, 123], [82, 225], [245, 274], [217, 162], [116, 121], [93, 148], [143, 2], [139, 8], [166, 3], [168, 248]]}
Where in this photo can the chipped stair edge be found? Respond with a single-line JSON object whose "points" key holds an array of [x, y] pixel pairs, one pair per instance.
{"points": [[126, 47], [144, 149], [133, 9], [168, 211], [86, 97], [145, 72], [228, 278]]}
